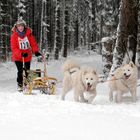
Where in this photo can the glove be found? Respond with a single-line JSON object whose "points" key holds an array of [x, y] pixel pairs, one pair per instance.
{"points": [[37, 54], [47, 56], [24, 55]]}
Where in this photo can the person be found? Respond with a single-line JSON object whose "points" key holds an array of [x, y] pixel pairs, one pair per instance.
{"points": [[23, 44]]}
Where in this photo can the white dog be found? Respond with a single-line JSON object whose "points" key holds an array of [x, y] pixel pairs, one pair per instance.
{"points": [[123, 80], [80, 79]]}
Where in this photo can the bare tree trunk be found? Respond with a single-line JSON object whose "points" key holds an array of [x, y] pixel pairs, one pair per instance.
{"points": [[138, 51], [51, 22], [76, 35], [57, 43], [107, 54], [101, 32], [127, 27], [66, 32], [132, 29], [94, 28], [30, 14], [41, 32]]}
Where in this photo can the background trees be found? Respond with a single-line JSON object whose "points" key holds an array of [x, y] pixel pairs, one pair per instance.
{"points": [[64, 26], [126, 42]]}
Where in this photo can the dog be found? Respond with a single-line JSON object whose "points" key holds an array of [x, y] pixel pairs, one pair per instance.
{"points": [[124, 80], [81, 79]]}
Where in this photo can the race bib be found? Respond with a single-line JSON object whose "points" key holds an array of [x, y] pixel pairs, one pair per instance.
{"points": [[24, 43]]}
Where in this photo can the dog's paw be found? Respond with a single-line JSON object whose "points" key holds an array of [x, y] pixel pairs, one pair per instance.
{"points": [[84, 101], [111, 99], [62, 97], [134, 99]]}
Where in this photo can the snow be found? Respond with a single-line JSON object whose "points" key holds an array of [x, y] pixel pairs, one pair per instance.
{"points": [[40, 117], [106, 39]]}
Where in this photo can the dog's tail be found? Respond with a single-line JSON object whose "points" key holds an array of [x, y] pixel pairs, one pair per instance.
{"points": [[70, 66]]}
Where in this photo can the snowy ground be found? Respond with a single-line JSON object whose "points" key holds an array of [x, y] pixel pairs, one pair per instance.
{"points": [[44, 117]]}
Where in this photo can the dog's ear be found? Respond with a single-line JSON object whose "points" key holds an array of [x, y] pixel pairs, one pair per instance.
{"points": [[121, 66], [85, 72], [131, 64], [94, 72]]}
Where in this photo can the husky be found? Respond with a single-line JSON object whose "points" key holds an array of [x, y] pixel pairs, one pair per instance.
{"points": [[124, 80], [81, 79]]}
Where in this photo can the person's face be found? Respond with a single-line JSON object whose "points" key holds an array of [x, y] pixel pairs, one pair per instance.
{"points": [[20, 28]]}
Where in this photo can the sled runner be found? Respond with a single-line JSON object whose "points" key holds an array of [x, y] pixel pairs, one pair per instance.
{"points": [[33, 80]]}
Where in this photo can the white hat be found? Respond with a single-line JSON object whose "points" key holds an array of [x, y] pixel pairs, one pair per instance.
{"points": [[21, 22]]}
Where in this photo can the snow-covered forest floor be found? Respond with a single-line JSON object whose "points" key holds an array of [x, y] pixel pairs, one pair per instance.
{"points": [[40, 117]]}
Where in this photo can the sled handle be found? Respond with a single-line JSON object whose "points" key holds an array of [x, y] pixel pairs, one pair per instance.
{"points": [[23, 72]]}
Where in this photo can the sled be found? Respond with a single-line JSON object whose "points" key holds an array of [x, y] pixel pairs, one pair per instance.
{"points": [[33, 80]]}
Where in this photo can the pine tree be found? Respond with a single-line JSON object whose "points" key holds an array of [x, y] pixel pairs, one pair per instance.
{"points": [[22, 9], [30, 13], [50, 27], [37, 19], [94, 25], [4, 30], [43, 33], [66, 32], [57, 43]]}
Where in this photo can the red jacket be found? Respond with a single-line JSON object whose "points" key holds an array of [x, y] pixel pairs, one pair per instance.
{"points": [[20, 45]]}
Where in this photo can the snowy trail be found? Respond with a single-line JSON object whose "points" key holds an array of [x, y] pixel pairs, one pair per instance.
{"points": [[39, 117]]}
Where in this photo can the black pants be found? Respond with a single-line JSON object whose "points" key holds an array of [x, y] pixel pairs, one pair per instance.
{"points": [[19, 66]]}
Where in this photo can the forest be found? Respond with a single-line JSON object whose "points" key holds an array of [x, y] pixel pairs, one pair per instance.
{"points": [[108, 27]]}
